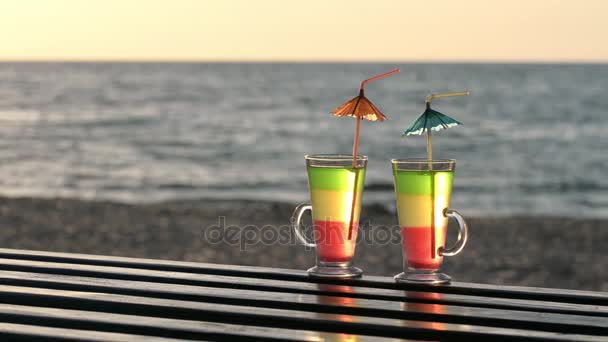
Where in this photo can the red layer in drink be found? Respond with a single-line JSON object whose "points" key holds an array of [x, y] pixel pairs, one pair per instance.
{"points": [[417, 248], [332, 241]]}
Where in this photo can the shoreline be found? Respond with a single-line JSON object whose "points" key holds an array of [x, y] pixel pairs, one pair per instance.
{"points": [[562, 252]]}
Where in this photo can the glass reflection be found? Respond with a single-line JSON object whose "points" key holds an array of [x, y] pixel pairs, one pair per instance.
{"points": [[429, 308], [337, 300]]}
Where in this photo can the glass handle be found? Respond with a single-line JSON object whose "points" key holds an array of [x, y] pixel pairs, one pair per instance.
{"points": [[463, 234], [296, 219]]}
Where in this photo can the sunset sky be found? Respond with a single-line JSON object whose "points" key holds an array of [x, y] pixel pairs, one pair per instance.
{"points": [[311, 30]]}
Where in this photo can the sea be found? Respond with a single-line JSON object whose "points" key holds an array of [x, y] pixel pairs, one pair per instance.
{"points": [[534, 139]]}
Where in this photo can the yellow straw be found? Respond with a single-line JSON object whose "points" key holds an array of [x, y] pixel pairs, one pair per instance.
{"points": [[441, 95], [429, 151]]}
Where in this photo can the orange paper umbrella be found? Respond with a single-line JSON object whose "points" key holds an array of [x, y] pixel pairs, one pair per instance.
{"points": [[361, 108]]}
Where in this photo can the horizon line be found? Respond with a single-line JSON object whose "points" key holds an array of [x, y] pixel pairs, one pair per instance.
{"points": [[294, 61]]}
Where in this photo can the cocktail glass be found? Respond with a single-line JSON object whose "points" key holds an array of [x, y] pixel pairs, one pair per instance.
{"points": [[335, 202], [423, 189]]}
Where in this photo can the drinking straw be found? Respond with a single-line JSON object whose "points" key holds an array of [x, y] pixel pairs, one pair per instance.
{"points": [[429, 151], [356, 144]]}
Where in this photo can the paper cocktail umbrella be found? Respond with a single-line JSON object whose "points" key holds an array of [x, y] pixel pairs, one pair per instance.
{"points": [[360, 108]]}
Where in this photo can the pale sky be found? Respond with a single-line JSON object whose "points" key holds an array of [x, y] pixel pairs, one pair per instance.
{"points": [[305, 30]]}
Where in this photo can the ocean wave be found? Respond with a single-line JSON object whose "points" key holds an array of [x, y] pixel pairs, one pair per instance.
{"points": [[565, 187]]}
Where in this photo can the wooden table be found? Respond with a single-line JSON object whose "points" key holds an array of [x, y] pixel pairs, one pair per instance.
{"points": [[67, 297]]}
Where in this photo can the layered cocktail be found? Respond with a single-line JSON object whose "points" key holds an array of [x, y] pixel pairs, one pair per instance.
{"points": [[336, 184], [331, 193], [335, 195], [421, 198], [423, 191]]}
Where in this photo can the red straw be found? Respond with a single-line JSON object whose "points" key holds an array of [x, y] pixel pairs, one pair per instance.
{"points": [[356, 146], [377, 77]]}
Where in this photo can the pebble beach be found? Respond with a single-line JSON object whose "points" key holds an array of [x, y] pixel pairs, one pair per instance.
{"points": [[555, 252]]}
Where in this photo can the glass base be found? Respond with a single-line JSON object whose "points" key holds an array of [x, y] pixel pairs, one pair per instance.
{"points": [[428, 277], [335, 270]]}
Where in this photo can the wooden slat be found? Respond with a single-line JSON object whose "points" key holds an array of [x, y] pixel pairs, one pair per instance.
{"points": [[556, 295], [153, 326], [256, 316], [181, 278], [24, 332]]}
